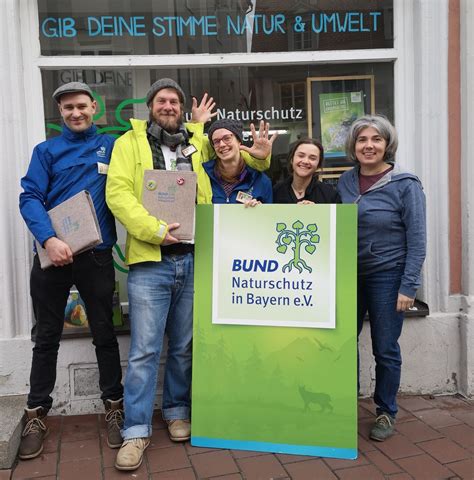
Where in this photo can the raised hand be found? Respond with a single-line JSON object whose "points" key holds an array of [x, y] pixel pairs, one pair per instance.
{"points": [[202, 113], [262, 143]]}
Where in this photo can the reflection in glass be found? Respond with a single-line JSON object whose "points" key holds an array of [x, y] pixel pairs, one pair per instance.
{"points": [[276, 94]]}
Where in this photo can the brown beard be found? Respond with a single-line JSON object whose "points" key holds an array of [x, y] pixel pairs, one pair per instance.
{"points": [[170, 124]]}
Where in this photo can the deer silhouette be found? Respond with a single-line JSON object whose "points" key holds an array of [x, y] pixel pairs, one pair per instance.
{"points": [[321, 399]]}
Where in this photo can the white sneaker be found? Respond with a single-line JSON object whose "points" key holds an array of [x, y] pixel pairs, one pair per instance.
{"points": [[130, 455]]}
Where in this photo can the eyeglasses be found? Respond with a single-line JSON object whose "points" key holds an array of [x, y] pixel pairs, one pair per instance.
{"points": [[226, 139]]}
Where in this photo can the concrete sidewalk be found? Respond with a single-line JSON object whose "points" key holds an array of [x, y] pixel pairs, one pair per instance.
{"points": [[434, 440]]}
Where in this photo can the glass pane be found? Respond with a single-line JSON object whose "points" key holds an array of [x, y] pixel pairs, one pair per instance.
{"points": [[146, 27], [248, 94]]}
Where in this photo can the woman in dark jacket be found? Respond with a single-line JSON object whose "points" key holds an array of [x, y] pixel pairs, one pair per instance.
{"points": [[304, 159]]}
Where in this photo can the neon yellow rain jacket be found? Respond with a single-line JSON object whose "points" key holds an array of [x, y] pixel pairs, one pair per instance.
{"points": [[131, 156]]}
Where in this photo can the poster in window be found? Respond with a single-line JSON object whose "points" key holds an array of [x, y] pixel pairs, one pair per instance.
{"points": [[338, 112], [333, 105]]}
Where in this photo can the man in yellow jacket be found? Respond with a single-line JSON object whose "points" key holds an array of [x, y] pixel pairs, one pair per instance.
{"points": [[161, 276]]}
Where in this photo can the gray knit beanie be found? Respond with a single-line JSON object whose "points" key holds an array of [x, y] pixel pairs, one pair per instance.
{"points": [[232, 125], [164, 83]]}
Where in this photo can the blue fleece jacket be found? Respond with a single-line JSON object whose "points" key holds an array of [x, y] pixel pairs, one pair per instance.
{"points": [[61, 167], [392, 224], [256, 184]]}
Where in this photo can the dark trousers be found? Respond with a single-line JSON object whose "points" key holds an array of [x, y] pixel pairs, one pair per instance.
{"points": [[93, 274]]}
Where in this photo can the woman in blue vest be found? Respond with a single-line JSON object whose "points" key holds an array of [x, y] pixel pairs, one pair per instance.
{"points": [[391, 250], [233, 181]]}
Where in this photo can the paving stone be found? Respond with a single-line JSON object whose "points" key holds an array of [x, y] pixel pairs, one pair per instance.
{"points": [[195, 450], [80, 470], [364, 427], [366, 472], [91, 419], [413, 404], [181, 474], [398, 446], [417, 431], [249, 453], [5, 474], [316, 469], [404, 416], [158, 422], [383, 463], [264, 467], [171, 458], [55, 421], [336, 463], [466, 417], [286, 458], [51, 442], [444, 450], [462, 434], [212, 464], [464, 468], [231, 476], [75, 429], [111, 473], [82, 449], [430, 443], [109, 455], [437, 418], [40, 466], [160, 439], [363, 412], [364, 445], [423, 467], [367, 403], [452, 402]]}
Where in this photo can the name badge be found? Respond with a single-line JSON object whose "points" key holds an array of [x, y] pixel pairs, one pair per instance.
{"points": [[189, 150], [243, 197], [102, 168]]}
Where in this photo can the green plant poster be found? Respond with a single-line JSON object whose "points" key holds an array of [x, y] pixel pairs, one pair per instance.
{"points": [[338, 112], [286, 387]]}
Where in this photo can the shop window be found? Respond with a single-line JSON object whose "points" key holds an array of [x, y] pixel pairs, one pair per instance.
{"points": [[276, 94]]}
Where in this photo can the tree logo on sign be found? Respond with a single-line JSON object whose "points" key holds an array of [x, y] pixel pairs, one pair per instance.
{"points": [[297, 237]]}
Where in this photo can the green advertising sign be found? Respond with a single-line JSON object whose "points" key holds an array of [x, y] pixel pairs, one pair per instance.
{"points": [[275, 358]]}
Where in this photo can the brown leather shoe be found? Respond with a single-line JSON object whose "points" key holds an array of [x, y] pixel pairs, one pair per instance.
{"points": [[114, 420], [34, 433], [179, 430]]}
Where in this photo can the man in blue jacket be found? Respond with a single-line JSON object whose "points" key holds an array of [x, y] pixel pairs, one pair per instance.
{"points": [[60, 167]]}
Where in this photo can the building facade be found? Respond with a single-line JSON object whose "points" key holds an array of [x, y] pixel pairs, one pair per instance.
{"points": [[292, 64]]}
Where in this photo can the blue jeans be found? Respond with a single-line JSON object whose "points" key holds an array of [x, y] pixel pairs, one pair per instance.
{"points": [[377, 295], [160, 300]]}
